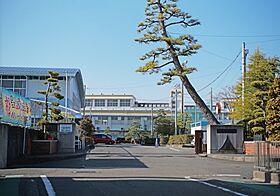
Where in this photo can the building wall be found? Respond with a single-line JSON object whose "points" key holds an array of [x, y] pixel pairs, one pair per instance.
{"points": [[118, 118], [74, 99]]}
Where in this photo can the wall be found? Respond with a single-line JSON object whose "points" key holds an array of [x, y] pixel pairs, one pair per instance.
{"points": [[3, 145], [66, 140], [74, 99], [215, 140]]}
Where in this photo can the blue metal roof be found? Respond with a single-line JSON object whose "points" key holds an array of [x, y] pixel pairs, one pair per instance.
{"points": [[37, 71]]}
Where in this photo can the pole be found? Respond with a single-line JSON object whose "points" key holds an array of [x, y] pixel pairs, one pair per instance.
{"points": [[66, 95], [182, 109], [244, 54], [211, 100], [24, 139], [152, 121], [176, 107]]}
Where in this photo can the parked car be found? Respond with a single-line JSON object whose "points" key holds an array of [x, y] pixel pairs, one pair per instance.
{"points": [[121, 140], [102, 138]]}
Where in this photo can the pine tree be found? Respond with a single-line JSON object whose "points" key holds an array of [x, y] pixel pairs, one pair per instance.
{"points": [[163, 16], [163, 124], [273, 112], [52, 112]]}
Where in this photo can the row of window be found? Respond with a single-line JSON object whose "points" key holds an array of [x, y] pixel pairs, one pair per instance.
{"points": [[30, 77], [118, 119], [14, 83], [110, 102]]}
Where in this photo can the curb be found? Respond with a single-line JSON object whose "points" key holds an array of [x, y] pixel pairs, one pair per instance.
{"points": [[240, 158]]}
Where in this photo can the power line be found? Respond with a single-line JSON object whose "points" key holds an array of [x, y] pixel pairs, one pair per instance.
{"points": [[220, 73], [228, 36]]}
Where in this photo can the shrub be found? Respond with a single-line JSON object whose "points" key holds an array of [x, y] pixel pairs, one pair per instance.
{"points": [[180, 139], [164, 139]]}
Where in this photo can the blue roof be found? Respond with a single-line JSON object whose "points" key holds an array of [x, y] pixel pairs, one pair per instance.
{"points": [[30, 71]]}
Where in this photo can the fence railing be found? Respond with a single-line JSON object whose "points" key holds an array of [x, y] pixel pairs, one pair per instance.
{"points": [[267, 155]]}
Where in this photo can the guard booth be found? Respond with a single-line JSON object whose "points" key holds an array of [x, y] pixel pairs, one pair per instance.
{"points": [[224, 139]]}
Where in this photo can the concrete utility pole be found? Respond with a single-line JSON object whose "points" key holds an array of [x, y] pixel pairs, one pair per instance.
{"points": [[211, 100], [152, 120], [182, 108], [176, 108], [244, 54]]}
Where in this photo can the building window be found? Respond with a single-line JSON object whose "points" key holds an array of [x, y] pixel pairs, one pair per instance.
{"points": [[114, 118], [88, 102], [14, 83], [99, 103], [125, 102], [7, 83], [112, 103]]}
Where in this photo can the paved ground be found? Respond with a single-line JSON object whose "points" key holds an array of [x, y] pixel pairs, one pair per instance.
{"points": [[134, 170]]}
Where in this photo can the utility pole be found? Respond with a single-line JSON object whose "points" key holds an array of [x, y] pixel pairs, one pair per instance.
{"points": [[244, 54], [211, 100], [176, 108], [152, 121], [182, 109]]}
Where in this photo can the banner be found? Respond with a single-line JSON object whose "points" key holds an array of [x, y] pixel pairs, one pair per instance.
{"points": [[16, 109]]}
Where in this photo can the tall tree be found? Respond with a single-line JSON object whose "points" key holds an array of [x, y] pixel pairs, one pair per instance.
{"points": [[184, 122], [259, 79], [163, 124], [134, 131], [273, 112], [52, 90], [162, 16]]}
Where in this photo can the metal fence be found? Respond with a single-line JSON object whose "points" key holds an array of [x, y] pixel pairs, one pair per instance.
{"points": [[267, 155]]}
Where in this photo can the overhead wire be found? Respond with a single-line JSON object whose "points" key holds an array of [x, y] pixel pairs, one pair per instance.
{"points": [[220, 73]]}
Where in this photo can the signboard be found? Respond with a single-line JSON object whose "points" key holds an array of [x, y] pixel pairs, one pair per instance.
{"points": [[16, 109], [65, 128]]}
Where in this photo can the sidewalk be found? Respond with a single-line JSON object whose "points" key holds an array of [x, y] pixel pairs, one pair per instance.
{"points": [[231, 157]]}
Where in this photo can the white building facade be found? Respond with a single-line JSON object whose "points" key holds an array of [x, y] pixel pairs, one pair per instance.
{"points": [[115, 113]]}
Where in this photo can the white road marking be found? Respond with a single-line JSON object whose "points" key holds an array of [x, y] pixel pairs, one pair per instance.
{"points": [[14, 176], [215, 186], [174, 149], [227, 175], [128, 178], [48, 185]]}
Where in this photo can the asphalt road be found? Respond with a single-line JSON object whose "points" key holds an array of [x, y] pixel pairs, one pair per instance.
{"points": [[134, 170]]}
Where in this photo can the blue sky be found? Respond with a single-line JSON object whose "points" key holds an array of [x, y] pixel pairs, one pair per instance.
{"points": [[98, 38]]}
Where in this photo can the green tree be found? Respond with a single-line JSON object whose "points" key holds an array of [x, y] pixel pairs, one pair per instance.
{"points": [[107, 130], [184, 122], [163, 16], [273, 112], [51, 111], [259, 79], [134, 131], [163, 124], [87, 127]]}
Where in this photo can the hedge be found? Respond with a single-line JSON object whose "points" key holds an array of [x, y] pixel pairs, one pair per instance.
{"points": [[180, 139]]}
